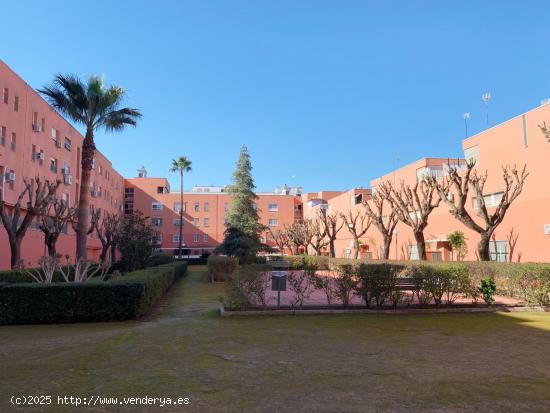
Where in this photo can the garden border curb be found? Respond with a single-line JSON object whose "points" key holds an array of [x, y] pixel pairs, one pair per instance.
{"points": [[410, 311]]}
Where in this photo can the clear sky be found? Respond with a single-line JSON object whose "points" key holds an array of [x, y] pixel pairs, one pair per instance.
{"points": [[326, 94]]}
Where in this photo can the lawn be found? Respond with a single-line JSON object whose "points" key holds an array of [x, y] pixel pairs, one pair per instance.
{"points": [[345, 363]]}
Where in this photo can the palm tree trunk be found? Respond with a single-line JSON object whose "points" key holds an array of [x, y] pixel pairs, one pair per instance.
{"points": [[88, 151], [181, 214]]}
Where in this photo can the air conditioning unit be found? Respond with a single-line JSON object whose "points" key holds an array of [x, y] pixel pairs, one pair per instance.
{"points": [[36, 127], [68, 179], [58, 144], [10, 176], [40, 156], [66, 170]]}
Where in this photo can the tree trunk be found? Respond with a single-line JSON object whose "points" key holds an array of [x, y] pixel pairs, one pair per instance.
{"points": [[420, 245], [15, 249], [113, 252], [356, 248], [88, 152], [181, 215], [104, 250], [483, 247], [387, 247], [332, 249], [51, 240]]}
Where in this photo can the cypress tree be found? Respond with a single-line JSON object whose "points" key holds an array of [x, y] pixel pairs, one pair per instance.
{"points": [[243, 214]]}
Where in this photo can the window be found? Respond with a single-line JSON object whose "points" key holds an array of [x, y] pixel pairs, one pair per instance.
{"points": [[196, 238], [16, 104], [206, 207], [128, 192], [177, 206], [491, 200], [68, 144], [427, 171], [54, 134], [53, 165], [156, 222], [176, 222], [2, 135], [498, 251], [176, 238], [157, 206], [413, 252], [472, 154], [13, 141], [273, 222], [43, 125], [272, 207], [6, 94], [206, 222], [437, 256], [33, 152], [162, 190], [205, 237], [197, 207], [197, 222]]}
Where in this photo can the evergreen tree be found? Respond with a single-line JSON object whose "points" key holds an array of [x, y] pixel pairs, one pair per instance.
{"points": [[243, 214]]}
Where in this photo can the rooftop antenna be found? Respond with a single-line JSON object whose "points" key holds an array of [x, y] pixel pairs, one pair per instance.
{"points": [[466, 116], [486, 98]]}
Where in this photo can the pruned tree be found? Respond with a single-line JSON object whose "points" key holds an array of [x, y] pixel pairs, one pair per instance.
{"points": [[106, 231], [454, 190], [413, 206], [319, 239], [512, 241], [39, 194], [296, 236], [358, 224], [280, 238], [54, 221], [384, 218], [332, 225], [94, 215]]}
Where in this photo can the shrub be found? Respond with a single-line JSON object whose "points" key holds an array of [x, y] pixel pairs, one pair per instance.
{"points": [[487, 290], [120, 298], [378, 282], [136, 241], [435, 282], [160, 258], [15, 276], [247, 287], [221, 268], [299, 282], [530, 282], [345, 282], [297, 261]]}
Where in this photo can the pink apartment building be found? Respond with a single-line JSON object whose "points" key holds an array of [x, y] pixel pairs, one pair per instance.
{"points": [[36, 141], [204, 212], [517, 141]]}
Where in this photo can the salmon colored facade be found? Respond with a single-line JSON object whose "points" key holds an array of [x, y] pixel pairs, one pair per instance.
{"points": [[518, 141], [204, 213], [36, 141]]}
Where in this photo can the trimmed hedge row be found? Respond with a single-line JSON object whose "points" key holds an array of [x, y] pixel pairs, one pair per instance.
{"points": [[121, 298], [529, 282]]}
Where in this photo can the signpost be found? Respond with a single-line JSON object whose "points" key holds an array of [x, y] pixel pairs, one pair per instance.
{"points": [[278, 278]]}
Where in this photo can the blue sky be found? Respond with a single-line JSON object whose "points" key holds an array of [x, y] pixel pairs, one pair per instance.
{"points": [[326, 94]]}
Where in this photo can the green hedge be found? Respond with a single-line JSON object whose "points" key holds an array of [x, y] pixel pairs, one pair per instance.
{"points": [[121, 298], [529, 282]]}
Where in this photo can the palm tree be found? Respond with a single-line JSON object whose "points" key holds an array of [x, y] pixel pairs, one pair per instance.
{"points": [[94, 106], [181, 165]]}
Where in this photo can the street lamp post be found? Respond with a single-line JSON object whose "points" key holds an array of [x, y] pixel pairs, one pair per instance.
{"points": [[466, 116], [486, 98]]}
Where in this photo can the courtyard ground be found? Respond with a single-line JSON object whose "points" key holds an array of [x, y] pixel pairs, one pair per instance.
{"points": [[340, 363]]}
